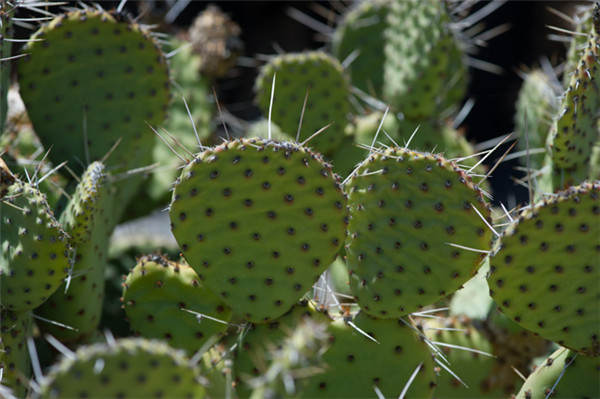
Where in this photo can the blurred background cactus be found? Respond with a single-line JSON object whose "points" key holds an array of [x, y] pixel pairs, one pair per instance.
{"points": [[299, 200]]}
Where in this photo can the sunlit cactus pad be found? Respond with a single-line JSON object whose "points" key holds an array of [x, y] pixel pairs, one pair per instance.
{"points": [[89, 79], [126, 368], [322, 77], [259, 221], [157, 297], [417, 231], [35, 250], [545, 274]]}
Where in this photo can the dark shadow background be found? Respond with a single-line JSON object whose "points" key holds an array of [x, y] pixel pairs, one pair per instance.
{"points": [[265, 23]]}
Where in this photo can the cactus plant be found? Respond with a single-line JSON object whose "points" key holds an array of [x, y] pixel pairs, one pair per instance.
{"points": [[259, 221]]}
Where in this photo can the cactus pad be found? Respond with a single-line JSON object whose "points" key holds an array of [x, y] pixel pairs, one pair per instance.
{"points": [[412, 206], [35, 251], [15, 328], [259, 221], [328, 97], [356, 367], [86, 219], [127, 368], [154, 294], [94, 78], [545, 274], [417, 52], [575, 133], [563, 375]]}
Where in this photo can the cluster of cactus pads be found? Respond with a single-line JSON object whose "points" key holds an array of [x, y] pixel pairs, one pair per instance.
{"points": [[343, 246]]}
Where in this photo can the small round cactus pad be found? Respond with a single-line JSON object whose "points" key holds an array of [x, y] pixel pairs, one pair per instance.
{"points": [[259, 221], [413, 217], [545, 274]]}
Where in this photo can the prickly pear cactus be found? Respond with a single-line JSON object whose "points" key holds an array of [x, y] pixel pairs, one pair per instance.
{"points": [[535, 107], [358, 367], [545, 272], [575, 133], [15, 366], [413, 215], [564, 374], [78, 302], [327, 102], [469, 356], [125, 368], [360, 34], [156, 295], [253, 359], [416, 64], [259, 221], [96, 79], [35, 249]]}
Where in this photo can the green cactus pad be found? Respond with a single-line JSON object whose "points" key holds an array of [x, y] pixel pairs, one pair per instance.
{"points": [[473, 368], [355, 366], [254, 357], [87, 220], [575, 134], [259, 221], [362, 31], [35, 250], [155, 293], [126, 368], [15, 328], [90, 79], [545, 273], [536, 105], [412, 206], [328, 97], [417, 52], [563, 375]]}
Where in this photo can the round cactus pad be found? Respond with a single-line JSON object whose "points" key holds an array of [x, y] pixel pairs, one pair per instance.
{"points": [[328, 97], [156, 295], [90, 79], [417, 231], [545, 274], [259, 221], [127, 368]]}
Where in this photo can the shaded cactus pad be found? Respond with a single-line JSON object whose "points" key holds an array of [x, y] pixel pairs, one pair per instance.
{"points": [[545, 274], [35, 250], [90, 79]]}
